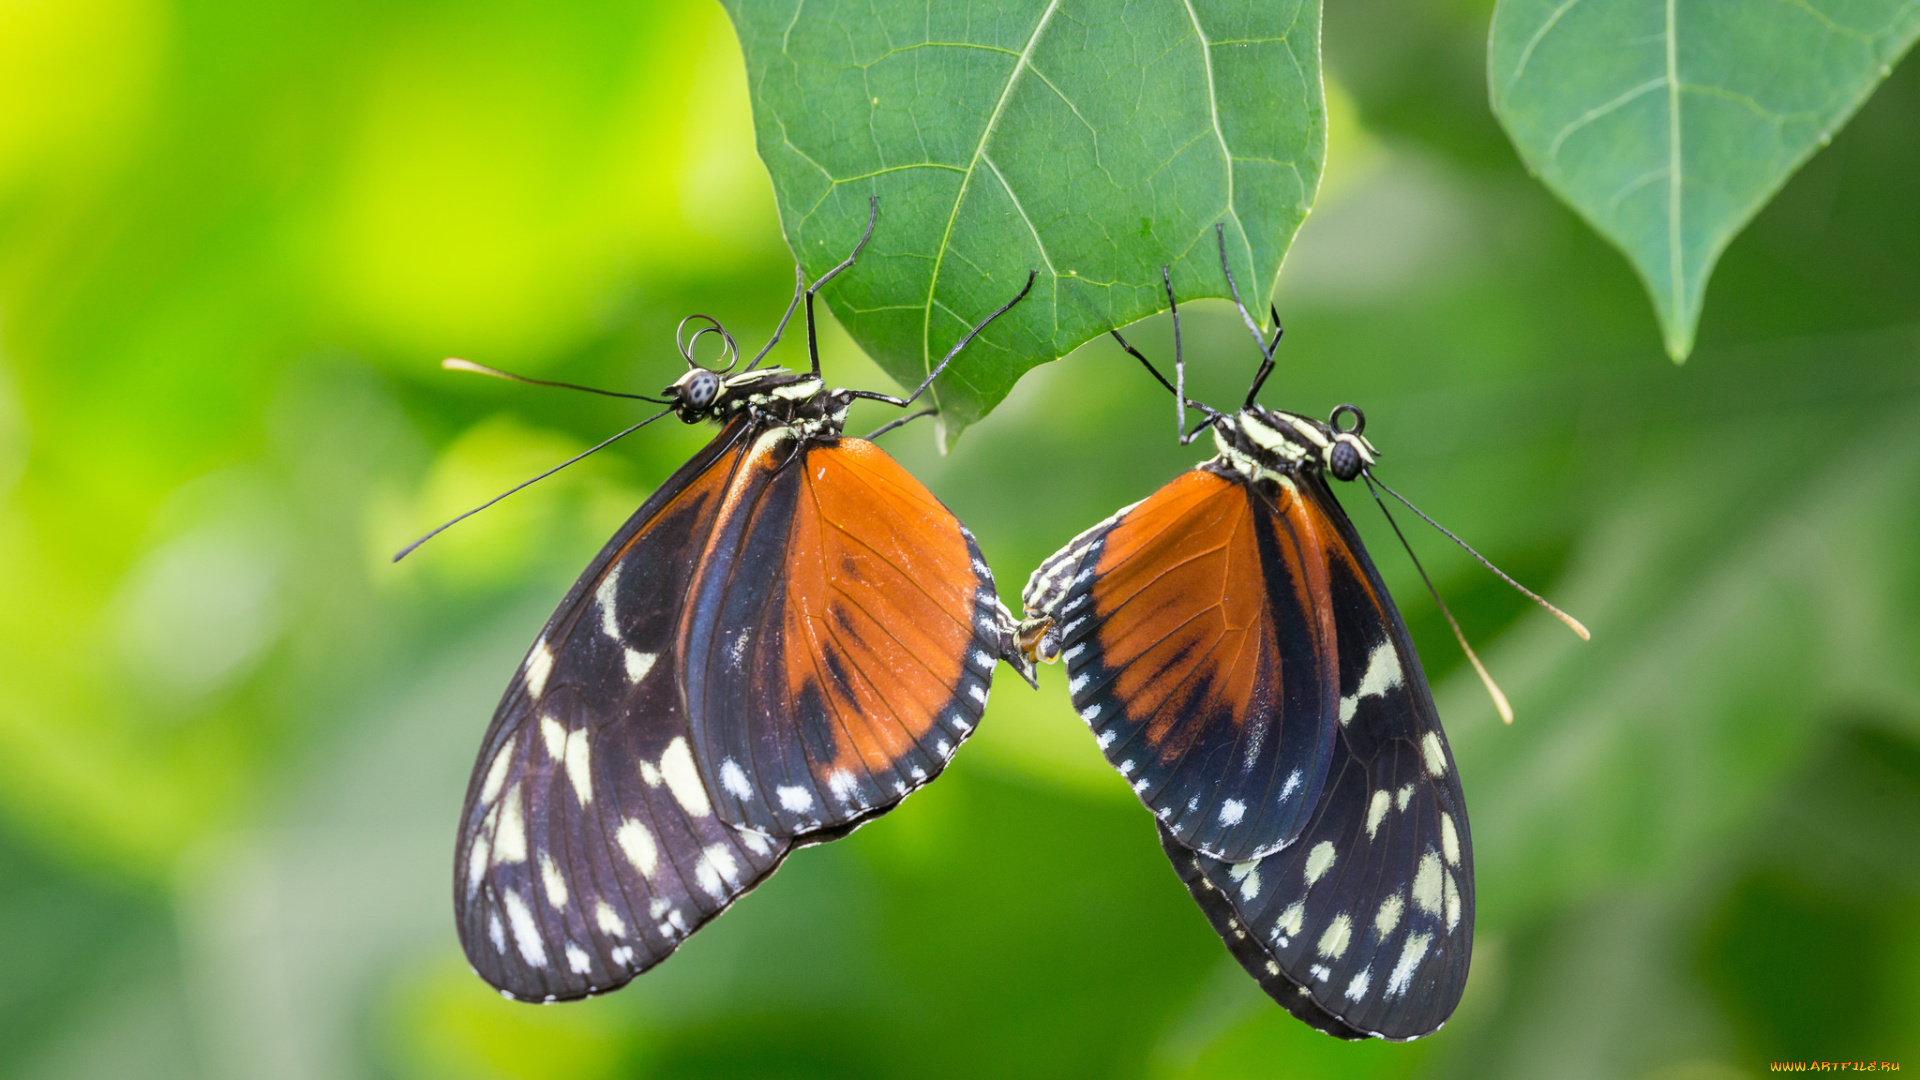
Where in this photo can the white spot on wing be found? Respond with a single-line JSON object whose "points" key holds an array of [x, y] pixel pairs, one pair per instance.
{"points": [[650, 774], [1426, 883], [978, 693], [608, 920], [1106, 738], [794, 799], [638, 664], [1248, 875], [477, 857], [1232, 811], [1319, 861], [497, 932], [1411, 954], [1402, 797], [577, 959], [1383, 674], [497, 773], [1453, 904], [1436, 757], [637, 843], [841, 784], [1449, 839], [1357, 989], [683, 778], [556, 884], [1291, 919], [715, 869], [1292, 785], [539, 666], [579, 768], [609, 624], [621, 956], [734, 779], [1078, 683], [554, 736], [1376, 811], [526, 933], [510, 842], [1388, 917], [1333, 943]]}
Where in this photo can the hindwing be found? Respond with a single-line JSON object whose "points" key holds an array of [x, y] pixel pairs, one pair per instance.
{"points": [[1198, 632], [840, 639]]}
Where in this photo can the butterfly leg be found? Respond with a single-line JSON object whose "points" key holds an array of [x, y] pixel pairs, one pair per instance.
{"points": [[903, 402]]}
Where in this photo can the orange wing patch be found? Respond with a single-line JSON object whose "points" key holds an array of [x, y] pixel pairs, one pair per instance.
{"points": [[1179, 590], [1207, 664], [880, 612]]}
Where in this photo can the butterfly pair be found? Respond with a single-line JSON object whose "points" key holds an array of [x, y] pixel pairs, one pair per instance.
{"points": [[792, 634]]}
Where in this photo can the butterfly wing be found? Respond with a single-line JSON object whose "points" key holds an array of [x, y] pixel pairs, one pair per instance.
{"points": [[840, 639], [1364, 926], [588, 845], [1198, 633]]}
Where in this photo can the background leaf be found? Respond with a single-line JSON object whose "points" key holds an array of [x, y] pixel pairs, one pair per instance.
{"points": [[1668, 125], [1090, 140]]}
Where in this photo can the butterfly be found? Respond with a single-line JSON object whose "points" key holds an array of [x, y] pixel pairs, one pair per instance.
{"points": [[1242, 665], [786, 639]]}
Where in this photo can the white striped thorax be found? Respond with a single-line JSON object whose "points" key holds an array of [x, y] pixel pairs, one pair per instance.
{"points": [[1259, 443], [796, 398]]}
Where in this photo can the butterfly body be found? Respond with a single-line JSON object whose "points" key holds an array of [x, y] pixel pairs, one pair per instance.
{"points": [[1241, 664]]}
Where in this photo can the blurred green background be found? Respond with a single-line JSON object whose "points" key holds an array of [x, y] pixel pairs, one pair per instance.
{"points": [[236, 239]]}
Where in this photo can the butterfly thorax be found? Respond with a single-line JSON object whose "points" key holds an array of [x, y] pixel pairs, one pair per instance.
{"points": [[1259, 443], [774, 396]]}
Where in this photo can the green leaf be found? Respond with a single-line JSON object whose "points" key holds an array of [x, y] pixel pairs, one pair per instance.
{"points": [[1668, 125], [1092, 141]]}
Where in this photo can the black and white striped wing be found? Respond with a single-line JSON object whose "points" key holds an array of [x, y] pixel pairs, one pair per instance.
{"points": [[1364, 925], [588, 845]]}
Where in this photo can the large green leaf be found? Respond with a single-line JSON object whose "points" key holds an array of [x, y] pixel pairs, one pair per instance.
{"points": [[1669, 123], [1092, 141]]}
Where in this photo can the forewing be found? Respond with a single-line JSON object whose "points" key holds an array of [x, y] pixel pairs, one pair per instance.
{"points": [[1364, 926], [588, 846], [1197, 630], [841, 641]]}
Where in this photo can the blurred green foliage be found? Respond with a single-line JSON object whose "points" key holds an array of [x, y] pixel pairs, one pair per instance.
{"points": [[236, 239]]}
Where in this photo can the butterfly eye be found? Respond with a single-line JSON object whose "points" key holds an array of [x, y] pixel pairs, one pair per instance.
{"points": [[701, 389], [1343, 458]]}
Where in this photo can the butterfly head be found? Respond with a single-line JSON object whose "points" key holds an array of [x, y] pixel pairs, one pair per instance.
{"points": [[1038, 639], [693, 394]]}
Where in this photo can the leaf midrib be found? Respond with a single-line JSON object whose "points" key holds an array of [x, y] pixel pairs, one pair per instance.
{"points": [[966, 182]]}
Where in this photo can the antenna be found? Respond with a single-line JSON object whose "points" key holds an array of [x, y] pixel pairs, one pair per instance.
{"points": [[1572, 623], [1493, 688], [602, 445], [454, 363]]}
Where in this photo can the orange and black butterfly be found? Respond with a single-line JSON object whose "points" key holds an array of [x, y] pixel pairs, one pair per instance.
{"points": [[1241, 664], [786, 639]]}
